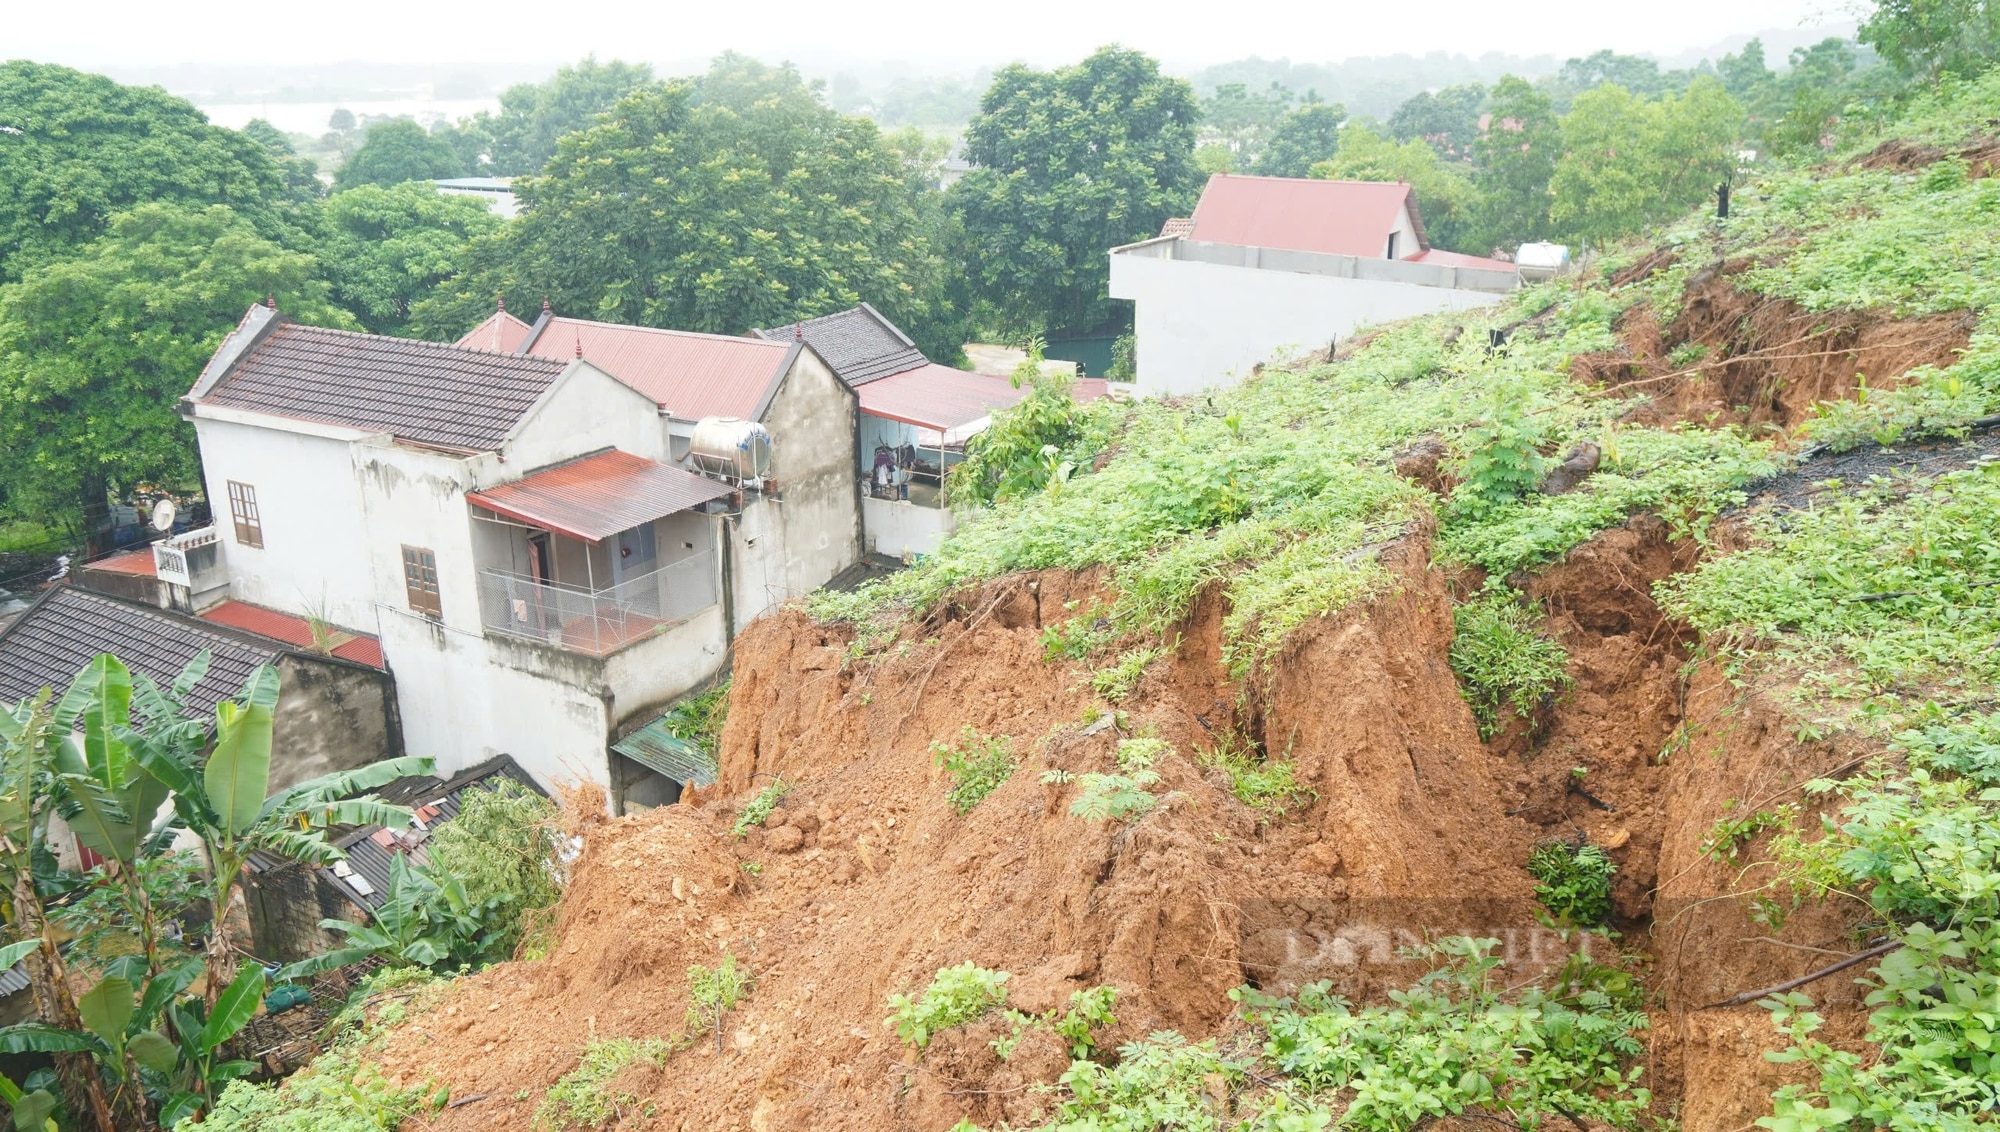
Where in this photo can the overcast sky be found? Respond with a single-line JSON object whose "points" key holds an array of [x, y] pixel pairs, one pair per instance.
{"points": [[143, 32]]}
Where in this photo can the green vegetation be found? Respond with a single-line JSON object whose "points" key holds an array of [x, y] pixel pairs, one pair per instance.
{"points": [[386, 248], [715, 991], [584, 1098], [1035, 445], [1504, 659], [699, 719], [1117, 681], [1116, 797], [1573, 881], [1088, 1011], [398, 152], [759, 807], [977, 764], [1258, 781], [955, 996], [507, 848]]}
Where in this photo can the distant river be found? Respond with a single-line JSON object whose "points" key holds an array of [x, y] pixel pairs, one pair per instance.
{"points": [[311, 117]]}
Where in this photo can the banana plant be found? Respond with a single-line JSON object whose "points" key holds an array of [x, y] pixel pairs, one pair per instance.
{"points": [[223, 800], [33, 1109], [426, 920], [27, 739]]}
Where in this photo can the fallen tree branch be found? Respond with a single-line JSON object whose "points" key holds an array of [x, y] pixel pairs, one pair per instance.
{"points": [[1854, 960]]}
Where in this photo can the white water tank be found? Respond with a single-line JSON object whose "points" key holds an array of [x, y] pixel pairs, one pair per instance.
{"points": [[1539, 261], [735, 449]]}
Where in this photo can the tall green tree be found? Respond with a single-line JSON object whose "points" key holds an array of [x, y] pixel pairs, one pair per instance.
{"points": [[301, 173], [384, 249], [1630, 162], [1448, 119], [96, 351], [1304, 137], [1071, 163], [395, 152], [77, 149], [1930, 39], [1445, 196], [1516, 157], [534, 116], [718, 206]]}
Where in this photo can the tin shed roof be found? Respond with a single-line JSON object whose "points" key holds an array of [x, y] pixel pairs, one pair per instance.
{"points": [[690, 375], [371, 849], [597, 496], [859, 345], [1299, 214], [938, 397], [423, 392], [656, 747]]}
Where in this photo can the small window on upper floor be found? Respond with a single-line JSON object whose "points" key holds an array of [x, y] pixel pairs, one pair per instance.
{"points": [[1392, 244], [420, 580], [243, 511]]}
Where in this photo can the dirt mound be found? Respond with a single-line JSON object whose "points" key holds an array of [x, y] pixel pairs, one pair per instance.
{"points": [[1981, 156], [1733, 357]]}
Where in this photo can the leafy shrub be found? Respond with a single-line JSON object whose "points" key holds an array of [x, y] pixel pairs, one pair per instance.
{"points": [[1573, 881], [977, 764], [760, 807], [1116, 682], [956, 995], [1115, 797], [1088, 1010], [699, 719], [1164, 1081], [583, 1098], [1039, 441], [338, 1092], [1457, 1043], [1503, 659], [1502, 458], [508, 849]]}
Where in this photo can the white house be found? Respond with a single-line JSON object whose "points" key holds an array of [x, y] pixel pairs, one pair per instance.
{"points": [[1274, 263], [543, 573]]}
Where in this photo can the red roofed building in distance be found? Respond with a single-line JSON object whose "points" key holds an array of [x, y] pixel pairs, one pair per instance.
{"points": [[1269, 266]]}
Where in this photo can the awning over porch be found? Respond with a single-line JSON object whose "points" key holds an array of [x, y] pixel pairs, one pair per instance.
{"points": [[937, 397], [598, 496]]}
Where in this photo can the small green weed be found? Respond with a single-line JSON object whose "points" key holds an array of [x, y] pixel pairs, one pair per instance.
{"points": [[713, 992], [1263, 784], [760, 807], [1115, 797], [955, 996], [1503, 659], [977, 764], [1573, 881], [583, 1098], [1116, 682], [1727, 837]]}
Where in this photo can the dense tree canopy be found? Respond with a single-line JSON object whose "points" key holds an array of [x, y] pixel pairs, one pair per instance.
{"points": [[1517, 155], [75, 149], [720, 205], [1448, 119], [534, 116], [96, 351], [1929, 39], [398, 151], [385, 248], [1070, 163], [1304, 137], [1629, 162]]}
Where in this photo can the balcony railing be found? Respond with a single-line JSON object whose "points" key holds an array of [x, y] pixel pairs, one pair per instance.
{"points": [[180, 558], [597, 622]]}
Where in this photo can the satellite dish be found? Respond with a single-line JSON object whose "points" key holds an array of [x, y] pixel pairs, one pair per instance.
{"points": [[163, 515]]}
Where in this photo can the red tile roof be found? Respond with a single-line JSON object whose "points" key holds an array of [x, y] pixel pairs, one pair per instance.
{"points": [[501, 333], [937, 397], [691, 375], [1177, 226], [1340, 217], [1459, 259], [294, 631], [598, 496]]}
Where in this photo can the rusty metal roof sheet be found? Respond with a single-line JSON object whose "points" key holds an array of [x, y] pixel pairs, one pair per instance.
{"points": [[691, 375], [423, 392], [859, 345], [597, 496], [1339, 217]]}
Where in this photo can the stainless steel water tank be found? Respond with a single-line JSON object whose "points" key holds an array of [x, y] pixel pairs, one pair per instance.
{"points": [[727, 446]]}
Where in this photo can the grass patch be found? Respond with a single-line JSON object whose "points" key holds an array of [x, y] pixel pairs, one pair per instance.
{"points": [[1116, 682], [1265, 784], [977, 765], [1504, 661], [584, 1098], [760, 807]]}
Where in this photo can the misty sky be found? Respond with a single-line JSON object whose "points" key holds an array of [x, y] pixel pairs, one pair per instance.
{"points": [[142, 32]]}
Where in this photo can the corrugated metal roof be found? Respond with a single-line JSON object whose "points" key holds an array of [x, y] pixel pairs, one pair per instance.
{"points": [[294, 630], [691, 375], [371, 849], [859, 345], [14, 979], [501, 333], [938, 397], [597, 496], [422, 392], [658, 748], [49, 644], [1338, 217]]}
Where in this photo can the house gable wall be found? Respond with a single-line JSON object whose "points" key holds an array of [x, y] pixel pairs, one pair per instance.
{"points": [[783, 550]]}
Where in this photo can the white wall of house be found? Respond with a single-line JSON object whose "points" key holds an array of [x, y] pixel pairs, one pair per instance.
{"points": [[899, 528], [787, 547], [1407, 244], [1201, 325]]}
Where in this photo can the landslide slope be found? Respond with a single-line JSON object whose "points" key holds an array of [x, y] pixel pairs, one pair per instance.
{"points": [[1324, 659]]}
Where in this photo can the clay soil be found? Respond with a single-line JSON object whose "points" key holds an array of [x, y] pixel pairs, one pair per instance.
{"points": [[865, 881]]}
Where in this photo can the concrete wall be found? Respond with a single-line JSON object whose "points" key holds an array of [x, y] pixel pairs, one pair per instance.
{"points": [[899, 527], [286, 905], [1406, 236], [787, 547], [331, 716], [1202, 325]]}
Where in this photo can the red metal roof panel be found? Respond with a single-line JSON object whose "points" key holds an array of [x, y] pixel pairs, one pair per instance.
{"points": [[295, 631], [598, 496], [691, 375], [1338, 217], [501, 333], [937, 397], [1459, 259]]}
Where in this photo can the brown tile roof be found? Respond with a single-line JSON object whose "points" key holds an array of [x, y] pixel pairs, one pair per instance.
{"points": [[858, 344], [423, 392], [1177, 226], [598, 496], [51, 642]]}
